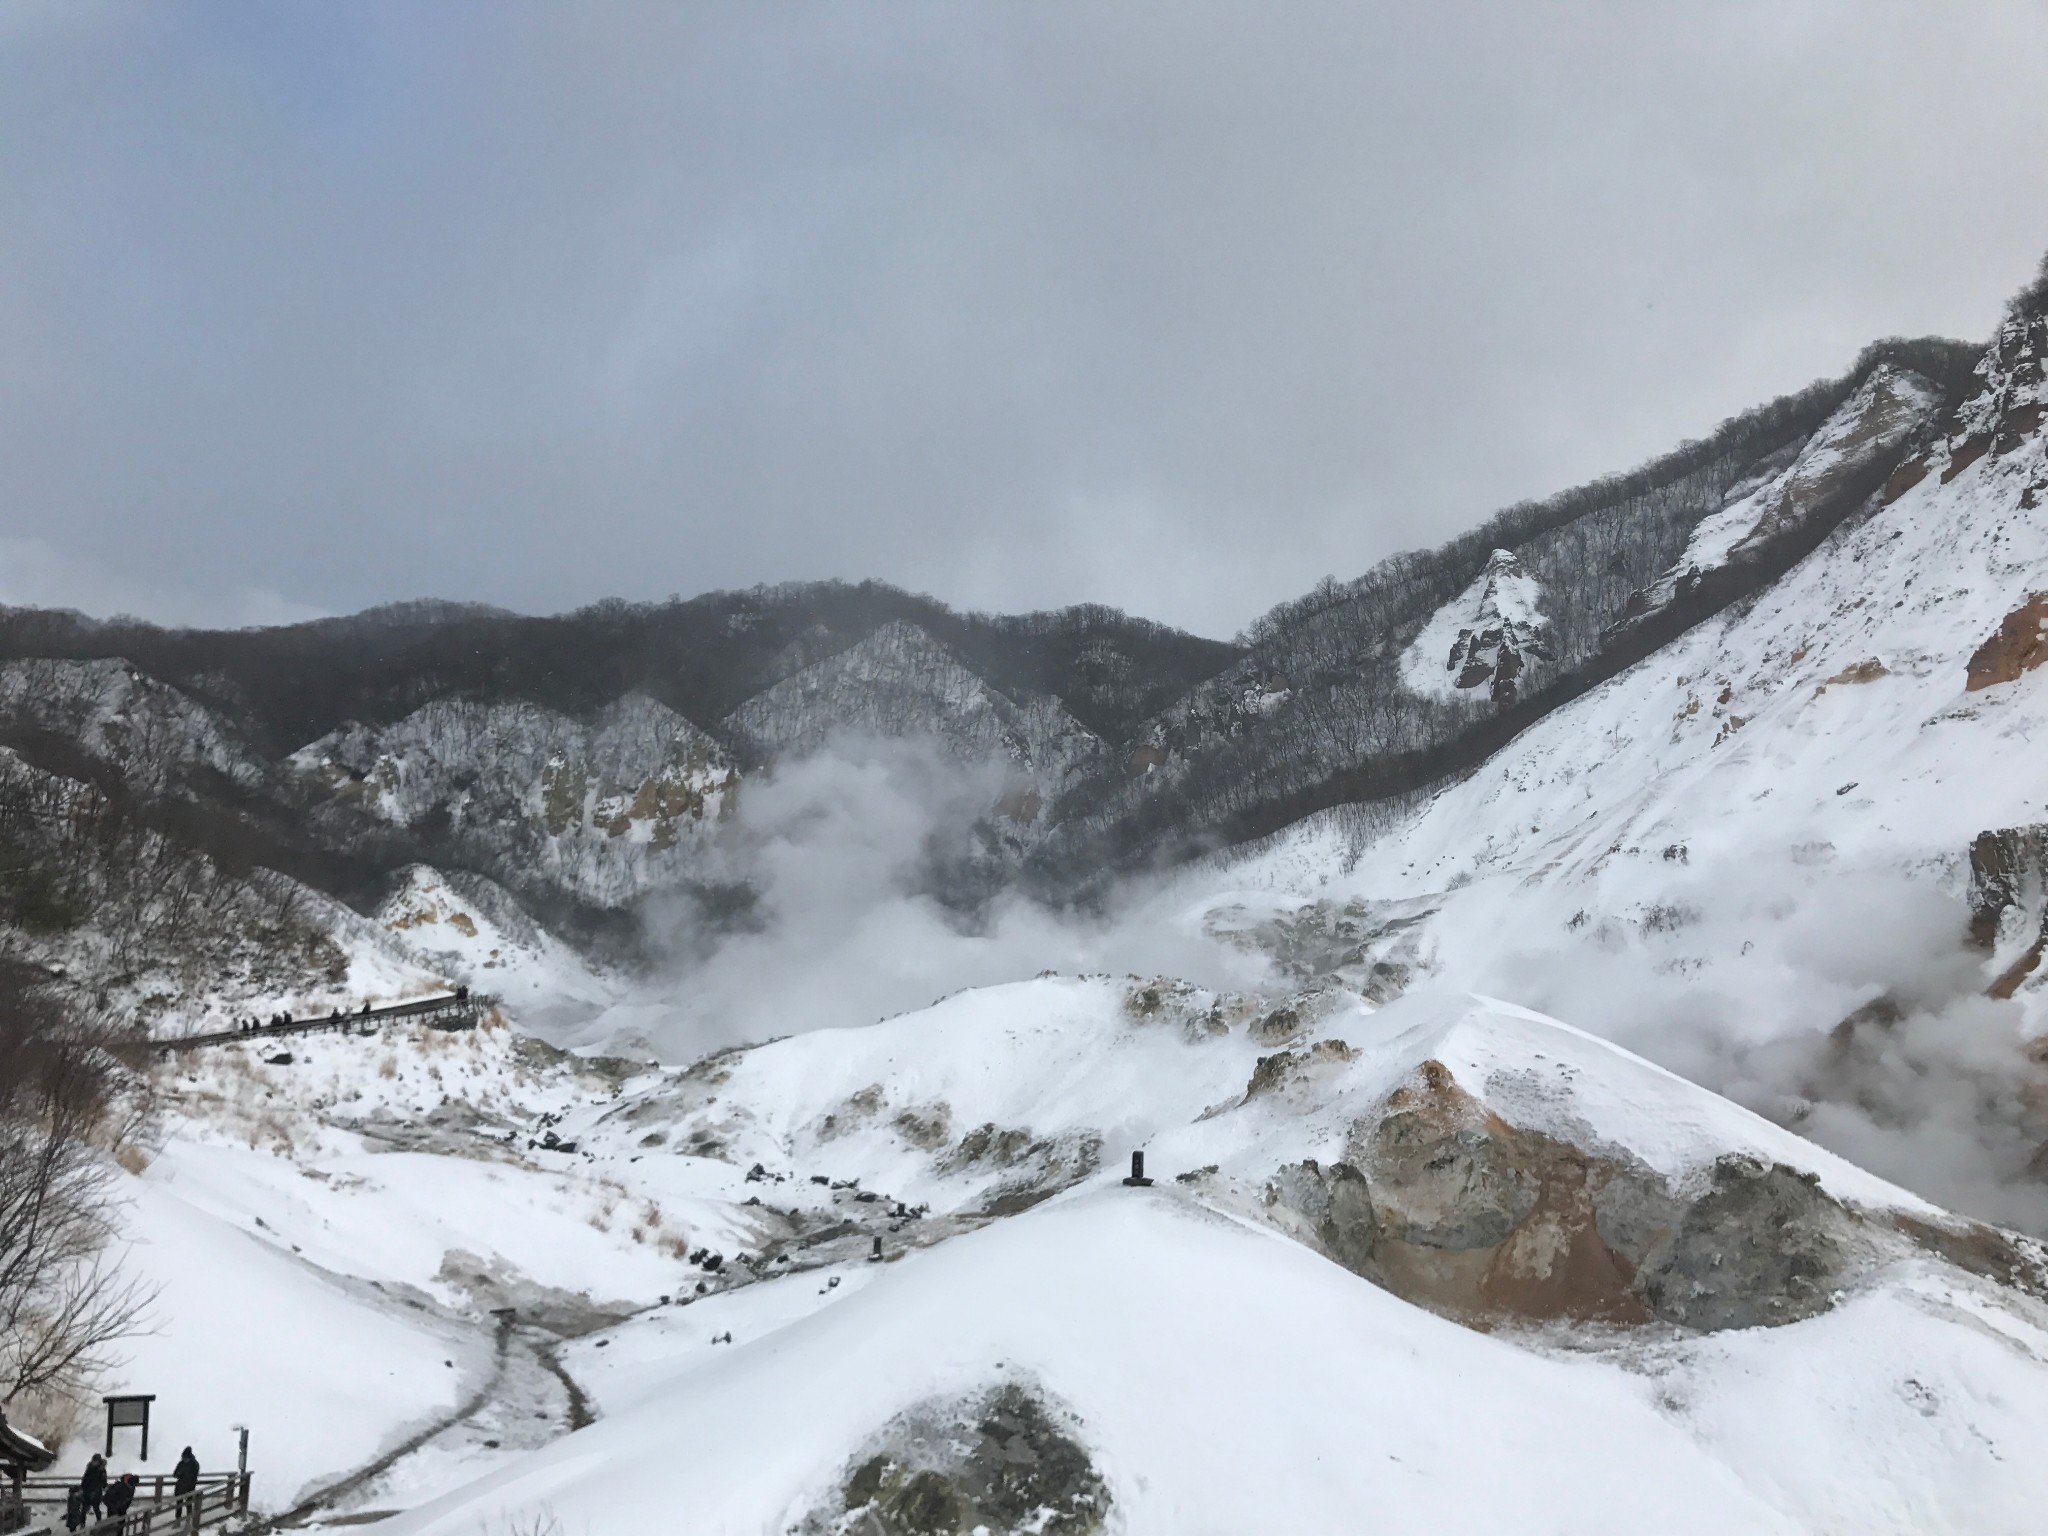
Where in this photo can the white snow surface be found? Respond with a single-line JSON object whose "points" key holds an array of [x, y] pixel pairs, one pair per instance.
{"points": [[1227, 1380]]}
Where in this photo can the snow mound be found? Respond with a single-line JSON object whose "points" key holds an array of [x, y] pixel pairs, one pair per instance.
{"points": [[475, 934], [1329, 1406]]}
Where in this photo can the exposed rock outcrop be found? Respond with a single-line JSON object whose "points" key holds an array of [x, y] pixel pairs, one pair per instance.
{"points": [[2019, 645], [2009, 903], [900, 682], [1765, 1245], [1446, 1204], [1002, 1464], [606, 807], [1493, 631]]}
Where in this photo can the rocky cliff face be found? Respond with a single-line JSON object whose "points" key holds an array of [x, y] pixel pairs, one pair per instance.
{"points": [[603, 809], [1495, 629]]}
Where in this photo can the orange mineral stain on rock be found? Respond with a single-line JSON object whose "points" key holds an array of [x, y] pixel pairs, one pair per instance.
{"points": [[2020, 645], [1964, 454], [1903, 479]]}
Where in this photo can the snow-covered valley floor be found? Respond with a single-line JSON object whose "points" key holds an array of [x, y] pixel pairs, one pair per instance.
{"points": [[689, 1255]]}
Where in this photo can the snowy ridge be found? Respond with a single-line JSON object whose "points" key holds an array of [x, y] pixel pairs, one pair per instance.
{"points": [[153, 732], [899, 683], [1890, 408], [1093, 1066], [476, 935]]}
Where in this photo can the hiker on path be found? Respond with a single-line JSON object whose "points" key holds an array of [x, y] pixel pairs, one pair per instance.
{"points": [[120, 1494], [92, 1488], [185, 1479]]}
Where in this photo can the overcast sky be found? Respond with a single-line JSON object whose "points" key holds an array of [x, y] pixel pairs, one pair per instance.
{"points": [[1178, 306]]}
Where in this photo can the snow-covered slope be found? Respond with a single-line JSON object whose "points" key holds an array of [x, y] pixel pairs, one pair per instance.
{"points": [[1736, 845], [1892, 406], [476, 935], [151, 732], [1323, 1406]]}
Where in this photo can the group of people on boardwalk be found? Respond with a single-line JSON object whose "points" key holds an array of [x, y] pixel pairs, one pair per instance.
{"points": [[99, 1499], [278, 1020]]}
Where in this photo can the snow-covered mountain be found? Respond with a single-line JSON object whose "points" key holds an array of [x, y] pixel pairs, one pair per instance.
{"points": [[1606, 1084], [604, 809], [901, 683]]}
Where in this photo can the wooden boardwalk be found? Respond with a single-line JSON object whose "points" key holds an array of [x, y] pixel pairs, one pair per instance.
{"points": [[35, 1506], [451, 1010]]}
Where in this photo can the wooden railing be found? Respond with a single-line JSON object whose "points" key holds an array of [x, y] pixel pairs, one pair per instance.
{"points": [[451, 1010], [38, 1504]]}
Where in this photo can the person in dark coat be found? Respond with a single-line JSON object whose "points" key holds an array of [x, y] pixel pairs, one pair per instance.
{"points": [[120, 1494], [92, 1488], [185, 1479], [74, 1508]]}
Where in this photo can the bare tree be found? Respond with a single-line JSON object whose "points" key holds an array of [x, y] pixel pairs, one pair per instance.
{"points": [[64, 1300]]}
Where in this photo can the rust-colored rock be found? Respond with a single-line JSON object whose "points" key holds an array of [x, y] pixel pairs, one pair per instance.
{"points": [[1862, 672], [1964, 454], [1903, 479], [2020, 645], [1556, 1264], [1020, 805], [2015, 427], [2017, 973]]}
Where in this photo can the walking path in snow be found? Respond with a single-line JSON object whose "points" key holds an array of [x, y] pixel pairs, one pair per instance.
{"points": [[453, 1010]]}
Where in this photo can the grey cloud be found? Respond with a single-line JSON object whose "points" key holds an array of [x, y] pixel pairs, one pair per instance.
{"points": [[1177, 307]]}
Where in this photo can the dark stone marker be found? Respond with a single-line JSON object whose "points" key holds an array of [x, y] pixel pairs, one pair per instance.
{"points": [[876, 1256], [1137, 1180]]}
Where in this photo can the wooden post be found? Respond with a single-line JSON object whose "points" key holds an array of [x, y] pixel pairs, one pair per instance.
{"points": [[242, 1503]]}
